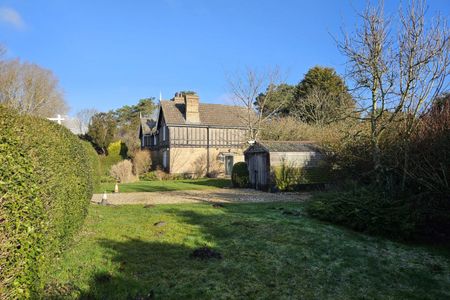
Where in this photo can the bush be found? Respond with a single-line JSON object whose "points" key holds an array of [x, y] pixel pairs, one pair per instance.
{"points": [[141, 162], [117, 151], [365, 209], [286, 176], [123, 171], [159, 174], [45, 188], [239, 175], [149, 176]]}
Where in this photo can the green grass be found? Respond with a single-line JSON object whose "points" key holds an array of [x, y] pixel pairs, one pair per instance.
{"points": [[166, 185], [120, 254]]}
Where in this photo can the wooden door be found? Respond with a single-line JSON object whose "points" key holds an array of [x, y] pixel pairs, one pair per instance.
{"points": [[258, 172]]}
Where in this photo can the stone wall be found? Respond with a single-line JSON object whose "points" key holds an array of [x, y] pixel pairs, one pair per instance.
{"points": [[193, 161]]}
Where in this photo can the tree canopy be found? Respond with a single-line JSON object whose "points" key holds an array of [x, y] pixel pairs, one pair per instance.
{"points": [[321, 97], [30, 89], [322, 92], [120, 124], [282, 98], [102, 130]]}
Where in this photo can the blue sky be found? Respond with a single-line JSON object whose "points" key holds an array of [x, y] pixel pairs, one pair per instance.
{"points": [[111, 53]]}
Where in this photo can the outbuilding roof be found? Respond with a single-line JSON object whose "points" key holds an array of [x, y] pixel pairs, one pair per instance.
{"points": [[210, 114], [282, 146]]}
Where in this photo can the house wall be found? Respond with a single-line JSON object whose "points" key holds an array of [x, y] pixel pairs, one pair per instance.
{"points": [[193, 160]]}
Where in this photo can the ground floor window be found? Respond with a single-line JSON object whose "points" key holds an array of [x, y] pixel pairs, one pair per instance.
{"points": [[229, 160], [165, 158]]}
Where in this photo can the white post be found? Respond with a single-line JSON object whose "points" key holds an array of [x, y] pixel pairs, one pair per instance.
{"points": [[104, 199]]}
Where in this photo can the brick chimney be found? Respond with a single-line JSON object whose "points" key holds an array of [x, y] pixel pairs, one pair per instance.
{"points": [[178, 98], [191, 102]]}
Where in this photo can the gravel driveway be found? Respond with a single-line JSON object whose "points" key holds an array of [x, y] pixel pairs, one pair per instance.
{"points": [[196, 196]]}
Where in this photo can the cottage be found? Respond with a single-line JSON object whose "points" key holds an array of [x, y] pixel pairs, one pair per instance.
{"points": [[193, 138], [264, 156]]}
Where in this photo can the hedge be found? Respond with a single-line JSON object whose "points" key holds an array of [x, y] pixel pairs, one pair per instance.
{"points": [[46, 182], [239, 175], [95, 163]]}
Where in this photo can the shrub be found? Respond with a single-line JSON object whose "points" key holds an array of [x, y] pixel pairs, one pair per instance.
{"points": [[141, 162], [117, 152], [45, 189], [149, 176], [286, 176], [123, 171], [159, 174], [365, 209], [239, 175]]}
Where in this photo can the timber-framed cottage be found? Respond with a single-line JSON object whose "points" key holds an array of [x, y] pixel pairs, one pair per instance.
{"points": [[193, 138]]}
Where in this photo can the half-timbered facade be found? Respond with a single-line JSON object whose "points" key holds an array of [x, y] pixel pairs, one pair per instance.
{"points": [[195, 138]]}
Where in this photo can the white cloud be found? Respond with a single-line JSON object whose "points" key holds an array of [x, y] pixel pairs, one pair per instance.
{"points": [[11, 17]]}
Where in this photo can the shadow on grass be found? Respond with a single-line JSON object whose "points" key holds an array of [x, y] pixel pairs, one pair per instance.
{"points": [[267, 254], [144, 270]]}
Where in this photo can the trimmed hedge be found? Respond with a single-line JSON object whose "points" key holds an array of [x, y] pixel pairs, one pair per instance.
{"points": [[46, 182], [239, 175], [95, 163]]}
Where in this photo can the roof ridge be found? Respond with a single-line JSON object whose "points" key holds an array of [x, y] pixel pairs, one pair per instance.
{"points": [[203, 103], [277, 141]]}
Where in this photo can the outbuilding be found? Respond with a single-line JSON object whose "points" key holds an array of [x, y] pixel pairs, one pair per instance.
{"points": [[264, 156]]}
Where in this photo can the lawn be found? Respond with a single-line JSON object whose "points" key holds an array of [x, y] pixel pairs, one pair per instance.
{"points": [[268, 250], [167, 185]]}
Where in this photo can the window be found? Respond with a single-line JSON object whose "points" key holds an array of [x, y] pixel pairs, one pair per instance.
{"points": [[164, 133], [165, 159]]}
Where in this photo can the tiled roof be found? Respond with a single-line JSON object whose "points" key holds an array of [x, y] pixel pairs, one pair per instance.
{"points": [[283, 146], [210, 114]]}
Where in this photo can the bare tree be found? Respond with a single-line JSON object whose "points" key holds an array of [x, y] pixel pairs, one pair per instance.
{"points": [[30, 89], [322, 108], [84, 117], [397, 69], [245, 88]]}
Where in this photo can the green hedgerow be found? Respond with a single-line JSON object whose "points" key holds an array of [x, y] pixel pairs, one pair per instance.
{"points": [[46, 182], [95, 163], [239, 175]]}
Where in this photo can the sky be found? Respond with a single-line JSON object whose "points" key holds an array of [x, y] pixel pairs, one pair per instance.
{"points": [[107, 54]]}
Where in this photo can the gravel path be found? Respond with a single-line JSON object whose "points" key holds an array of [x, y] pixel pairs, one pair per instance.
{"points": [[196, 196]]}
